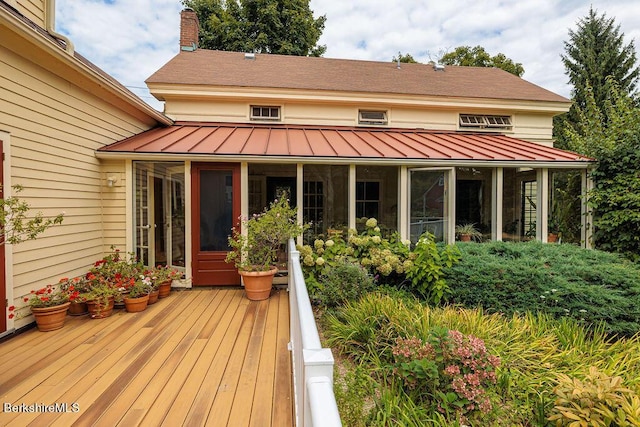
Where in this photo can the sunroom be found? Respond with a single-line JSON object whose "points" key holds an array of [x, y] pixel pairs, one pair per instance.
{"points": [[186, 186]]}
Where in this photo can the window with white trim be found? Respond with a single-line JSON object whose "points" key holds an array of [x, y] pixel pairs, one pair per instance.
{"points": [[372, 117], [265, 112], [481, 121]]}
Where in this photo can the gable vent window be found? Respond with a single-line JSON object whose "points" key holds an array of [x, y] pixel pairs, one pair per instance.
{"points": [[260, 112], [485, 122], [368, 117]]}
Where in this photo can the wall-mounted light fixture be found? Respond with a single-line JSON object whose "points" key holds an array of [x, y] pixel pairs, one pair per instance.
{"points": [[111, 180]]}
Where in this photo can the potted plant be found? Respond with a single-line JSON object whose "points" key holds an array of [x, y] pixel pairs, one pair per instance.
{"points": [[100, 297], [138, 296], [466, 232], [49, 306], [254, 249], [162, 277], [79, 285]]}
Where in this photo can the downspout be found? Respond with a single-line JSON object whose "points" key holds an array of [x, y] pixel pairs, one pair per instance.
{"points": [[50, 25]]}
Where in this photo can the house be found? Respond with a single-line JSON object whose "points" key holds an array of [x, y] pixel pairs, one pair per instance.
{"points": [[56, 110], [421, 147]]}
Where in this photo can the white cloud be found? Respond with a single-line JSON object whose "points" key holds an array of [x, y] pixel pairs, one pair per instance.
{"points": [[132, 39]]}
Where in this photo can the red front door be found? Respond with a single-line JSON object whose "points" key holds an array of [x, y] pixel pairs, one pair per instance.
{"points": [[216, 207]]}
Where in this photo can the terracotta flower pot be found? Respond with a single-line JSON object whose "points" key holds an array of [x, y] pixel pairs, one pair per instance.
{"points": [[78, 308], [165, 289], [50, 318], [258, 284], [98, 309], [153, 296], [134, 305]]}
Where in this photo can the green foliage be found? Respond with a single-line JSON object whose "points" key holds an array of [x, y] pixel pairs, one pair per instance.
{"points": [[387, 257], [599, 400], [257, 250], [427, 271], [344, 281], [16, 223], [595, 56], [615, 142], [534, 351], [478, 57], [589, 286], [285, 27], [406, 58]]}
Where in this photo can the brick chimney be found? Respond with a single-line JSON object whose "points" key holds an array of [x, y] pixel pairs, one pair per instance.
{"points": [[189, 30]]}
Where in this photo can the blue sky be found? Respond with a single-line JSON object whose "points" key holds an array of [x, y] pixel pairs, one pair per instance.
{"points": [[132, 39]]}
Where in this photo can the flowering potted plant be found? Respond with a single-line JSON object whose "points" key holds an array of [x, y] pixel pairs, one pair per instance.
{"points": [[79, 285], [49, 306], [100, 296], [138, 296], [254, 252], [162, 277]]}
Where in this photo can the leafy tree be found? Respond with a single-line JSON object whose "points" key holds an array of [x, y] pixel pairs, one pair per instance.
{"points": [[284, 27], [616, 145], [406, 58], [478, 57], [596, 51]]}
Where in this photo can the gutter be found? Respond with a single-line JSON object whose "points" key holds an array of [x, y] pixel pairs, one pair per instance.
{"points": [[50, 24]]}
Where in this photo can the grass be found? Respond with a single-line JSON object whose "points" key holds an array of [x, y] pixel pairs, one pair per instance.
{"points": [[534, 349]]}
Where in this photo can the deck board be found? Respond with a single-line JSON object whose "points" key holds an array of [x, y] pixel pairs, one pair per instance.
{"points": [[198, 357]]}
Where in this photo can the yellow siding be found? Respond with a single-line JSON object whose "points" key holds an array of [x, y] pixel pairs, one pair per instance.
{"points": [[532, 126], [33, 9], [54, 128]]}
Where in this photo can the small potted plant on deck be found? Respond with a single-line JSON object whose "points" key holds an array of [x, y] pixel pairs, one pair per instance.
{"points": [[49, 306], [255, 252], [138, 296]]}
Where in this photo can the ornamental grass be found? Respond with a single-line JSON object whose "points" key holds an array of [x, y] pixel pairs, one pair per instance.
{"points": [[537, 354]]}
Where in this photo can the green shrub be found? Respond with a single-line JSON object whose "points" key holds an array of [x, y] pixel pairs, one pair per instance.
{"points": [[589, 286], [426, 272], [345, 281]]}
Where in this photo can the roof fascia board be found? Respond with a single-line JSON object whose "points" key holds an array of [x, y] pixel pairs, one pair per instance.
{"points": [[342, 160], [52, 48], [164, 92]]}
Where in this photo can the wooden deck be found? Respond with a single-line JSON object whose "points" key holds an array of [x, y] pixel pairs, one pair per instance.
{"points": [[198, 357]]}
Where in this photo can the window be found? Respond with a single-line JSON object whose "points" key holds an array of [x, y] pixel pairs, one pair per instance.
{"points": [[313, 208], [368, 199], [368, 117], [477, 121], [261, 112]]}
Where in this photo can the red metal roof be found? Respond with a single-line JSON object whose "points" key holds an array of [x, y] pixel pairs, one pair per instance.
{"points": [[238, 140]]}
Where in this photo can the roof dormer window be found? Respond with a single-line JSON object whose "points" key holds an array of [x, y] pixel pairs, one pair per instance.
{"points": [[264, 112], [372, 117], [479, 121]]}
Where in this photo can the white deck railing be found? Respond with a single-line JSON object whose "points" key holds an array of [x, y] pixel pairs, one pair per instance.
{"points": [[314, 401]]}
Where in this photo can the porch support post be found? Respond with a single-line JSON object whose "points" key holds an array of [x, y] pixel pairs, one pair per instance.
{"points": [[352, 196], [403, 202], [244, 193], [450, 208], [586, 231], [129, 204], [497, 176], [300, 196], [542, 209], [188, 225]]}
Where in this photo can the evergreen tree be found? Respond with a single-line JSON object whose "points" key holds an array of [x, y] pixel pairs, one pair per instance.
{"points": [[478, 57], [594, 52], [285, 27]]}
